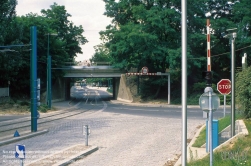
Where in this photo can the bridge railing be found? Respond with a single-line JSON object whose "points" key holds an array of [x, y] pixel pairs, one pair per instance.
{"points": [[87, 63]]}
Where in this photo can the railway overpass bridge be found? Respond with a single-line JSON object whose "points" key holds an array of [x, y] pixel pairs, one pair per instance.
{"points": [[92, 72], [61, 90]]}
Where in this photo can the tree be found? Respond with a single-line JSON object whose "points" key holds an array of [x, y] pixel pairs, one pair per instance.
{"points": [[63, 47], [70, 34], [148, 33], [7, 14], [101, 54]]}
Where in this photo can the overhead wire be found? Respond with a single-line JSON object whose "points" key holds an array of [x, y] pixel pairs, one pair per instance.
{"points": [[221, 53]]}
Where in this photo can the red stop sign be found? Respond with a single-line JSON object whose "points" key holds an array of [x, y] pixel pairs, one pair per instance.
{"points": [[224, 86]]}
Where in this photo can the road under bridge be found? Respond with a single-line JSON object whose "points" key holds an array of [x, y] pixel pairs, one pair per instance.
{"points": [[61, 89]]}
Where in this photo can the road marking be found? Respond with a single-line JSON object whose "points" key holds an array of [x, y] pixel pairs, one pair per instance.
{"points": [[105, 106]]}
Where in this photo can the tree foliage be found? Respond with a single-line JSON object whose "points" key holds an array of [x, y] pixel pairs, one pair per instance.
{"points": [[56, 35], [101, 54], [7, 14], [148, 33], [243, 89]]}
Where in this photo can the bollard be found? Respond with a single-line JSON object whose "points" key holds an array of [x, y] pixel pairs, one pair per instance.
{"points": [[86, 132]]}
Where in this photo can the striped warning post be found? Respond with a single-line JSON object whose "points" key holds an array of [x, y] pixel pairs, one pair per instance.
{"points": [[208, 47]]}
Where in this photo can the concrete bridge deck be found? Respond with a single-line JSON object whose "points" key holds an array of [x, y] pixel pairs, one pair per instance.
{"points": [[91, 71]]}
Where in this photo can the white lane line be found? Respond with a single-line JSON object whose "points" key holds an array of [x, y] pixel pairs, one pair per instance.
{"points": [[104, 107]]}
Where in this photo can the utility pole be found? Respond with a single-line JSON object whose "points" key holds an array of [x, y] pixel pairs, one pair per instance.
{"points": [[184, 80]]}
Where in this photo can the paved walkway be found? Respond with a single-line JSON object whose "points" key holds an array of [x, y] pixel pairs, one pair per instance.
{"points": [[122, 140]]}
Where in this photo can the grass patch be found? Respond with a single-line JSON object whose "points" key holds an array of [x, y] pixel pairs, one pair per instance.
{"points": [[223, 123], [193, 99], [235, 154], [43, 108]]}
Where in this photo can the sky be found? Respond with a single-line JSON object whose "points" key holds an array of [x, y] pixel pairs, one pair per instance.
{"points": [[88, 13]]}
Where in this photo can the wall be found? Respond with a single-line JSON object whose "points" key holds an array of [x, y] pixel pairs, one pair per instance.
{"points": [[58, 90], [124, 93]]}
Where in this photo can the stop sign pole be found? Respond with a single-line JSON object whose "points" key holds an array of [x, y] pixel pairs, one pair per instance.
{"points": [[224, 87]]}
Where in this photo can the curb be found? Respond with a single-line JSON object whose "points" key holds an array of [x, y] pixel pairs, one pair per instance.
{"points": [[11, 140], [78, 156], [143, 104], [124, 102], [68, 160], [178, 162]]}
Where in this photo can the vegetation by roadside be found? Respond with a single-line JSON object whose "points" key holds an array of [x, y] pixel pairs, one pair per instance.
{"points": [[14, 106], [237, 153], [223, 123]]}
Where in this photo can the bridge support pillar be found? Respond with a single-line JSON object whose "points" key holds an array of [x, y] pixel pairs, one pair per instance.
{"points": [[116, 82], [67, 89]]}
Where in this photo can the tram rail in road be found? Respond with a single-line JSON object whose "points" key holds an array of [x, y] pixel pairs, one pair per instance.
{"points": [[46, 120]]}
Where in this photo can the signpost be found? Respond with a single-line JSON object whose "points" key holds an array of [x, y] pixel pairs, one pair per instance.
{"points": [[224, 87], [20, 153], [210, 102]]}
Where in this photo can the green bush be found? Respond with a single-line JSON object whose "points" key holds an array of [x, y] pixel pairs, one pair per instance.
{"points": [[24, 103], [43, 108], [243, 91]]}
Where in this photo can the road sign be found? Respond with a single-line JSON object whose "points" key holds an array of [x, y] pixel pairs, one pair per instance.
{"points": [[224, 86], [20, 151], [144, 70]]}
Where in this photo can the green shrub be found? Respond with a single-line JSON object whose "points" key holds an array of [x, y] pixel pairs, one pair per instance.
{"points": [[243, 91], [24, 103], [43, 108]]}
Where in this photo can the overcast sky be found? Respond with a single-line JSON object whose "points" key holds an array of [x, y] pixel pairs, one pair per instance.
{"points": [[88, 13]]}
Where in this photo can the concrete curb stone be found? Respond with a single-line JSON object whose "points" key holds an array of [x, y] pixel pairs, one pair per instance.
{"points": [[25, 136], [123, 102]]}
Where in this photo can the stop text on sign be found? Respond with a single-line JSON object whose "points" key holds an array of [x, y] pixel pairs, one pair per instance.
{"points": [[224, 87]]}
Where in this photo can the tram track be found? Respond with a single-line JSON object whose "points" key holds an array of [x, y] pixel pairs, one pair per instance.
{"points": [[9, 127]]}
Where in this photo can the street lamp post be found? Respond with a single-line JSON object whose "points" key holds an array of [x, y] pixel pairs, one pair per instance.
{"points": [[232, 35], [48, 95]]}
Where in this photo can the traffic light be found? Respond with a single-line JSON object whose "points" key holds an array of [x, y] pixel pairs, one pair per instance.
{"points": [[208, 76]]}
